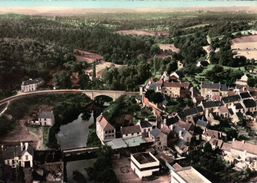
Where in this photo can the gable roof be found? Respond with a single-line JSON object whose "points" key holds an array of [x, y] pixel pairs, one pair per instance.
{"points": [[238, 106], [16, 151], [46, 114], [33, 81], [145, 124], [223, 109], [245, 95], [105, 124], [249, 103], [211, 104], [213, 133], [155, 132], [176, 85], [130, 129], [231, 99], [241, 146], [172, 120], [211, 85]]}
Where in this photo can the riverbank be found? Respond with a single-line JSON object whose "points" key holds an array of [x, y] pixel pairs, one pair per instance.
{"points": [[56, 11]]}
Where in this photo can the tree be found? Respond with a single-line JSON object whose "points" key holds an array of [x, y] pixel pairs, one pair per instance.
{"points": [[155, 49]]}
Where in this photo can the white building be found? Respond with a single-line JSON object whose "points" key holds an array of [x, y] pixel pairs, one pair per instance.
{"points": [[242, 81], [243, 154], [16, 156], [46, 118], [31, 85], [131, 131], [144, 164], [186, 175], [104, 130]]}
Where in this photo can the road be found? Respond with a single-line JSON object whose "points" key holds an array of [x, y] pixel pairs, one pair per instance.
{"points": [[91, 93]]}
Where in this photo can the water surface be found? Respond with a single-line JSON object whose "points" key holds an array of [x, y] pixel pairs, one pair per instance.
{"points": [[74, 134]]}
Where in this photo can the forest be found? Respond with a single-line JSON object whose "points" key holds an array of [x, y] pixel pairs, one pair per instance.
{"points": [[43, 47]]}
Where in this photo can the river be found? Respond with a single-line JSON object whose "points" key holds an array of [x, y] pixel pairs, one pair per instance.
{"points": [[74, 134], [126, 4]]}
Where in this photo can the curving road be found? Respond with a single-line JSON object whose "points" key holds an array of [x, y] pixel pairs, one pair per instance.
{"points": [[91, 93]]}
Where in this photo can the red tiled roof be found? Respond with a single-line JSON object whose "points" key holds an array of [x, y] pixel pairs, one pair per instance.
{"points": [[105, 124], [223, 109], [176, 85], [131, 129]]}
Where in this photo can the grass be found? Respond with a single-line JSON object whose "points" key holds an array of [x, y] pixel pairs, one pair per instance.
{"points": [[45, 135]]}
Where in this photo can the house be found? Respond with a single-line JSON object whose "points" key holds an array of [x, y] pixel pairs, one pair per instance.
{"points": [[186, 175], [237, 108], [15, 156], [210, 106], [201, 122], [104, 130], [207, 88], [249, 105], [243, 154], [155, 86], [170, 119], [164, 136], [144, 164], [213, 134], [183, 134], [189, 113], [131, 131], [223, 112], [31, 84], [230, 100], [155, 135], [146, 128], [46, 118], [174, 77], [176, 89], [242, 81]]}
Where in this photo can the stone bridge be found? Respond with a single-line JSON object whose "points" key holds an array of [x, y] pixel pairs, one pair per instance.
{"points": [[110, 93], [90, 93]]}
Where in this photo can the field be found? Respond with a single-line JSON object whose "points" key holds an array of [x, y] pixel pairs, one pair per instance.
{"points": [[245, 46], [249, 54], [100, 67]]}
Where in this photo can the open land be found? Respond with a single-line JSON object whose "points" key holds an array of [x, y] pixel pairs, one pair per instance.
{"points": [[83, 11]]}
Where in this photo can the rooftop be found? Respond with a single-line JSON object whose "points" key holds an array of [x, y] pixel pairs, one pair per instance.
{"points": [[210, 104], [191, 175], [249, 103], [32, 81], [131, 129], [211, 85], [245, 95], [144, 158], [46, 114], [231, 99], [176, 85], [145, 124], [104, 123]]}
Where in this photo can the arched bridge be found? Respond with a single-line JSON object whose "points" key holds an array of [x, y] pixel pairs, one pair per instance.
{"points": [[90, 93]]}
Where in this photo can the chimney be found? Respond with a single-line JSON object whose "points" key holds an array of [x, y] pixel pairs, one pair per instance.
{"points": [[22, 147], [180, 134], [164, 121], [26, 144]]}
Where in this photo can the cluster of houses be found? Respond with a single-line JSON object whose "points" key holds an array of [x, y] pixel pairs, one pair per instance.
{"points": [[37, 166], [213, 103]]}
